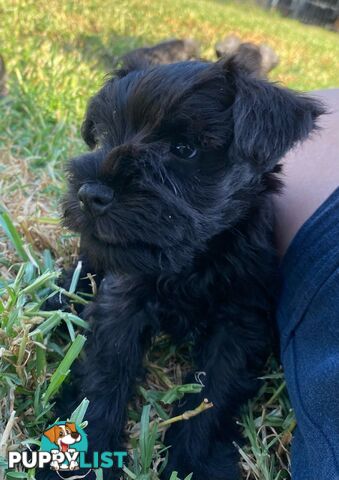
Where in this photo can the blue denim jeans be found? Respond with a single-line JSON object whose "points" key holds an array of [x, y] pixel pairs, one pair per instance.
{"points": [[308, 321]]}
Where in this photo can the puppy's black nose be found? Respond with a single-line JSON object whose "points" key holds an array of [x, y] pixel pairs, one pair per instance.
{"points": [[95, 198]]}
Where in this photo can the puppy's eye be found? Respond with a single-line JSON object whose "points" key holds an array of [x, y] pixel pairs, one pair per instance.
{"points": [[184, 150], [61, 434]]}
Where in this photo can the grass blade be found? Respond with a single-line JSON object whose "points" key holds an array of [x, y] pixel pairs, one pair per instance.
{"points": [[63, 369], [79, 413], [75, 278], [13, 235]]}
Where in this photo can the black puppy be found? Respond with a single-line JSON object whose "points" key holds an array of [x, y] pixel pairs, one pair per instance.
{"points": [[173, 205]]}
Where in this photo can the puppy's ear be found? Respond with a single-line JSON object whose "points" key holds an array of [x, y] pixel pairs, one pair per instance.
{"points": [[71, 426], [268, 120], [133, 61], [52, 434]]}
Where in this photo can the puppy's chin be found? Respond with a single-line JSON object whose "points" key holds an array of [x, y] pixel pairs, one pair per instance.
{"points": [[136, 258]]}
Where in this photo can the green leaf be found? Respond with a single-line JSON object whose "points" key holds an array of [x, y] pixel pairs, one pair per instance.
{"points": [[177, 392], [79, 413], [63, 369], [75, 278], [129, 472], [41, 363], [99, 475], [12, 233], [16, 475], [147, 439], [48, 325], [39, 282]]}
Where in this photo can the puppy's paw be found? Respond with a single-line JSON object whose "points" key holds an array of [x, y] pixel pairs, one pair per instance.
{"points": [[61, 302], [56, 302]]}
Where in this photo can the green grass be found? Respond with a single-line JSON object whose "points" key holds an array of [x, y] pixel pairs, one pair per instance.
{"points": [[57, 55]]}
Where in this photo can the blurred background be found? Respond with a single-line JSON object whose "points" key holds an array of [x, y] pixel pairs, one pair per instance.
{"points": [[318, 12], [55, 54]]}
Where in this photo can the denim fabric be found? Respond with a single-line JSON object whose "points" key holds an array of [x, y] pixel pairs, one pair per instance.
{"points": [[308, 321]]}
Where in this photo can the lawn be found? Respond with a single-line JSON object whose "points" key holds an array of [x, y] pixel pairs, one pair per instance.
{"points": [[57, 55]]}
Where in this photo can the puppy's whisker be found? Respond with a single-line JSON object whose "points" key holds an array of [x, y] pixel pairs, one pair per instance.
{"points": [[173, 185]]}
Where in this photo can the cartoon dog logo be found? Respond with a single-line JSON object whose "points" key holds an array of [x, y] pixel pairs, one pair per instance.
{"points": [[64, 436]]}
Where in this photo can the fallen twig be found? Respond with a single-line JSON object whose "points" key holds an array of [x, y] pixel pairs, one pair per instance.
{"points": [[205, 405]]}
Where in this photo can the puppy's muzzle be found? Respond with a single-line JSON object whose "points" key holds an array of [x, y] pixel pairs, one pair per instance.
{"points": [[95, 198]]}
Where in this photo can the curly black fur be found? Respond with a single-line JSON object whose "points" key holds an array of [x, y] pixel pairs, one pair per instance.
{"points": [[184, 245]]}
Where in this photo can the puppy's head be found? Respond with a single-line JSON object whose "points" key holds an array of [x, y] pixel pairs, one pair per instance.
{"points": [[180, 153], [63, 435]]}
